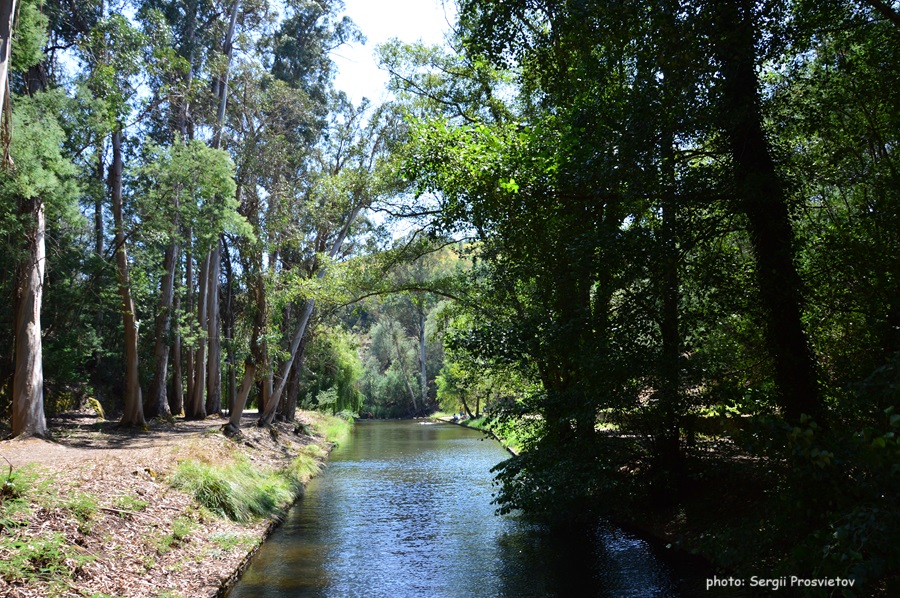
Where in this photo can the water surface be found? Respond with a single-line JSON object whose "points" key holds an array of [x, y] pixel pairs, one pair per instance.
{"points": [[404, 509]]}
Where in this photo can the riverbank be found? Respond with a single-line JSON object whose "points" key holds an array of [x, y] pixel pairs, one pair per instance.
{"points": [[96, 511]]}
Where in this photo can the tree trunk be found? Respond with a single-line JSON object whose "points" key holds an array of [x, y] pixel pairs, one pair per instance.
{"points": [[158, 404], [257, 355], [196, 408], [465, 404], [212, 264], [762, 199], [214, 369], [222, 82], [134, 409], [229, 326], [409, 388], [423, 370], [176, 399], [28, 380], [288, 407], [268, 416], [189, 355], [7, 14]]}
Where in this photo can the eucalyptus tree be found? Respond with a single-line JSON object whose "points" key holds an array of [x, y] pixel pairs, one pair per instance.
{"points": [[189, 179], [35, 176], [346, 185], [118, 53]]}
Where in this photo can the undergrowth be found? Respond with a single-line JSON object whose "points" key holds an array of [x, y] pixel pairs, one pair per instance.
{"points": [[335, 428], [240, 492], [47, 558]]}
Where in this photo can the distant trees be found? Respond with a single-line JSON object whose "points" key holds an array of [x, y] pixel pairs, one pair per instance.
{"points": [[223, 175]]}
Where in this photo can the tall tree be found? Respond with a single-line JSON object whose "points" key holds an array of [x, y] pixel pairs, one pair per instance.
{"points": [[763, 200], [32, 182]]}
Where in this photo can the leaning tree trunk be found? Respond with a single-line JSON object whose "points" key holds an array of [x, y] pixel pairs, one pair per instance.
{"points": [[763, 200], [134, 409], [28, 380], [268, 415]]}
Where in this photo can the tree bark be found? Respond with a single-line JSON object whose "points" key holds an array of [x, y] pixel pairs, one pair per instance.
{"points": [[189, 354], [885, 10], [409, 388], [28, 380], [214, 369], [763, 200], [211, 278], [158, 404], [423, 370], [288, 408], [134, 409], [196, 408], [257, 356], [7, 14], [229, 326], [176, 399]]}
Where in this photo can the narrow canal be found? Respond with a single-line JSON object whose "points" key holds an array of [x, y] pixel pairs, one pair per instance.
{"points": [[404, 509]]}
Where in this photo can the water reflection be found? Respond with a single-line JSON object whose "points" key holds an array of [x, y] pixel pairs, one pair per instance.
{"points": [[404, 510]]}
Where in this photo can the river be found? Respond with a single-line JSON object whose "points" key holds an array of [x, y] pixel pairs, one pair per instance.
{"points": [[404, 509]]}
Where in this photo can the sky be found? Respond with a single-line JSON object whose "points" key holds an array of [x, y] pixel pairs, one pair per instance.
{"points": [[379, 21]]}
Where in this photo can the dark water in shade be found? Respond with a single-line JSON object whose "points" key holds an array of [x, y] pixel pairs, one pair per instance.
{"points": [[403, 509]]}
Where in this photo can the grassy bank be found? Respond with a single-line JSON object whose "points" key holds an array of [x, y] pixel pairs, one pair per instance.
{"points": [[170, 512]]}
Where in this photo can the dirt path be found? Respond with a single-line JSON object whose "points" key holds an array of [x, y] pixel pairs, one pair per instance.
{"points": [[82, 437], [94, 505]]}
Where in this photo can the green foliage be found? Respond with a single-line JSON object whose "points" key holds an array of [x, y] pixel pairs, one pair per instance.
{"points": [[30, 36], [41, 170], [240, 491], [334, 367], [195, 182], [335, 428], [46, 559], [84, 507], [228, 541], [16, 492], [181, 529], [130, 503]]}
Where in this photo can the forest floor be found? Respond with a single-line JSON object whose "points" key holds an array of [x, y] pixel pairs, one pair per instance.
{"points": [[91, 512]]}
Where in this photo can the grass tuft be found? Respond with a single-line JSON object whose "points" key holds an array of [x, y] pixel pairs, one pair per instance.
{"points": [[42, 558], [335, 428], [240, 492]]}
